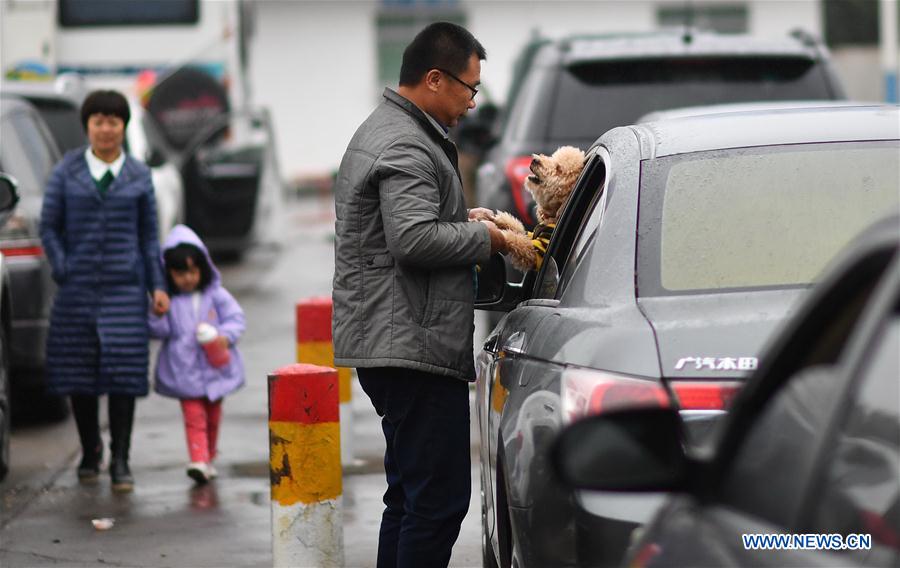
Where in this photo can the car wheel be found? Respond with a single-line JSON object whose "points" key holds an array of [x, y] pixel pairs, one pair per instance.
{"points": [[5, 406]]}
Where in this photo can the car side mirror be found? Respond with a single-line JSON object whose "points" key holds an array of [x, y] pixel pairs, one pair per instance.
{"points": [[634, 450], [9, 195], [494, 291]]}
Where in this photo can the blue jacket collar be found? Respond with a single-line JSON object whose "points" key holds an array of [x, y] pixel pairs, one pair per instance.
{"points": [[78, 169]]}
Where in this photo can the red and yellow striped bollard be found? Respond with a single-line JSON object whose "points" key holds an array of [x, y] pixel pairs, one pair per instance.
{"points": [[315, 346], [305, 467]]}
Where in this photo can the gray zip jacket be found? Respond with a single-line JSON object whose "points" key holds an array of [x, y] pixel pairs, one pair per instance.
{"points": [[404, 251]]}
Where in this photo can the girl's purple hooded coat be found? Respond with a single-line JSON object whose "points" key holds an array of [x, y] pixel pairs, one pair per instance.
{"points": [[182, 370]]}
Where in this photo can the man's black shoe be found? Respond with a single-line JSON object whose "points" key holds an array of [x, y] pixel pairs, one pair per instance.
{"points": [[122, 480]]}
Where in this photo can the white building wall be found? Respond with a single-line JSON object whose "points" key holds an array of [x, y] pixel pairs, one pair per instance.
{"points": [[775, 18], [859, 69], [314, 65]]}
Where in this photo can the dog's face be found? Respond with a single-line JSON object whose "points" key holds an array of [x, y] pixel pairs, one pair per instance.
{"points": [[552, 179]]}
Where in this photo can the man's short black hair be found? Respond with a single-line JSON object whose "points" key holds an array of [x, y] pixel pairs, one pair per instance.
{"points": [[441, 45], [176, 259], [111, 103]]}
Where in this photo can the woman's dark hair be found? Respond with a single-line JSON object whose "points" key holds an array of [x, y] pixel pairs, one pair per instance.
{"points": [[176, 259], [111, 103], [441, 45]]}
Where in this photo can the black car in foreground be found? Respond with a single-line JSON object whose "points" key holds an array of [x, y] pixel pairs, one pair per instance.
{"points": [[807, 468], [569, 91], [683, 247]]}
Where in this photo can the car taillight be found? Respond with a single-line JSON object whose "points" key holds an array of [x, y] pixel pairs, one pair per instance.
{"points": [[705, 395], [587, 392], [517, 171], [27, 250]]}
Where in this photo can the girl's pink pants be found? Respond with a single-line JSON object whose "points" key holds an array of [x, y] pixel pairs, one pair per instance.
{"points": [[201, 424]]}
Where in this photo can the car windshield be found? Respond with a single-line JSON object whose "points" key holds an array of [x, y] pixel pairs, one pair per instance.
{"points": [[757, 218], [597, 96]]}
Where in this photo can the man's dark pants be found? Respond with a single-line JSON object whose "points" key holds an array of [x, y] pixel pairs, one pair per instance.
{"points": [[425, 418]]}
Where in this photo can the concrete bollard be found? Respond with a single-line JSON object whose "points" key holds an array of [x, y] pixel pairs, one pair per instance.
{"points": [[315, 346], [305, 467]]}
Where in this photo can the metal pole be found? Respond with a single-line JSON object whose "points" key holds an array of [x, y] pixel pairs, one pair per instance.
{"points": [[305, 467]]}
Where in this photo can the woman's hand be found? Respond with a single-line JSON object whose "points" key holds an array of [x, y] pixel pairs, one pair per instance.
{"points": [[160, 302]]}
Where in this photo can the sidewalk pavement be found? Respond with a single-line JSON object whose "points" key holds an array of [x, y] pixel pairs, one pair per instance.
{"points": [[169, 522]]}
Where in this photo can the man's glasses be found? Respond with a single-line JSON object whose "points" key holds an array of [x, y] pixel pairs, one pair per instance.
{"points": [[468, 86]]}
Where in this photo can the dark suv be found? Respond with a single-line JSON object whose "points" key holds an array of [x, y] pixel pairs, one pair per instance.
{"points": [[571, 91]]}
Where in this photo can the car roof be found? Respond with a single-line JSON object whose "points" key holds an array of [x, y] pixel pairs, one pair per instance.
{"points": [[678, 43], [13, 103], [68, 88], [768, 127], [683, 112]]}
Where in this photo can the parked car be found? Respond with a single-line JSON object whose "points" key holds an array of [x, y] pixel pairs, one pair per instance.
{"points": [[572, 90], [810, 453], [28, 153], [59, 104], [684, 244], [8, 199], [685, 112]]}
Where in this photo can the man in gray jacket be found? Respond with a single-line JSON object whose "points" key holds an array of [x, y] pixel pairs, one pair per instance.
{"points": [[404, 286]]}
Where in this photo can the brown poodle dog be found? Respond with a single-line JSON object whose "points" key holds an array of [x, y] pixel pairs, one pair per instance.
{"points": [[551, 181]]}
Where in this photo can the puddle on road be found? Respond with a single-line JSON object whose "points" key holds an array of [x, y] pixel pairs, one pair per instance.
{"points": [[250, 469]]}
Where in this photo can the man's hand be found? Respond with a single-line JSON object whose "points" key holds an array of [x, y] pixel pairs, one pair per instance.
{"points": [[160, 302], [481, 214], [498, 241]]}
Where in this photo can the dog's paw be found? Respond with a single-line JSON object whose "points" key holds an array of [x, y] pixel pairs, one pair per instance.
{"points": [[506, 221], [520, 250]]}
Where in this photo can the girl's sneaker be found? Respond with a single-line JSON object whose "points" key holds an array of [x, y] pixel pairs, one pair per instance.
{"points": [[212, 471], [199, 472]]}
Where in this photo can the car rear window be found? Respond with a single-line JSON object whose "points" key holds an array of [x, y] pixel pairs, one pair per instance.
{"points": [[64, 122], [757, 218], [25, 153], [594, 97]]}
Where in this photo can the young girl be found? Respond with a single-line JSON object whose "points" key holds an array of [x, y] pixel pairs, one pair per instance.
{"points": [[183, 370]]}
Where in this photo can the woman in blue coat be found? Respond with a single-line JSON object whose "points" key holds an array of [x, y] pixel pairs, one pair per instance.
{"points": [[99, 231]]}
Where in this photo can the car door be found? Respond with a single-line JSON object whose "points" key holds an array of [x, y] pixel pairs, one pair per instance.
{"points": [[505, 367], [811, 449]]}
